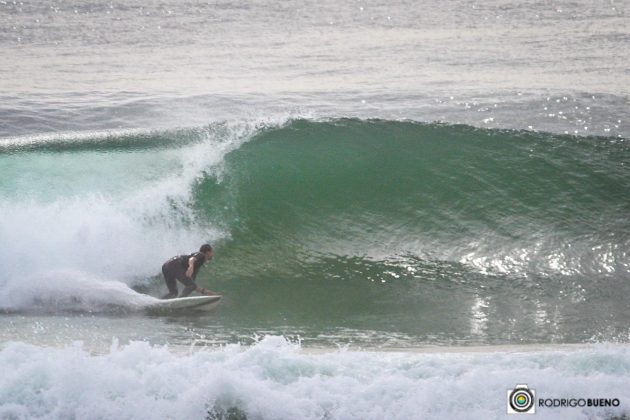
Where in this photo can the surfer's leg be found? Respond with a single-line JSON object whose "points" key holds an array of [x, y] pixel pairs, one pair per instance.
{"points": [[169, 295], [171, 282], [190, 286]]}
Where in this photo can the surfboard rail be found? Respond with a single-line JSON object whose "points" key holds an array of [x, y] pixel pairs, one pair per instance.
{"points": [[196, 303]]}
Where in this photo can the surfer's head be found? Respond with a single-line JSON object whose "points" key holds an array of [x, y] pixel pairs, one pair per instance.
{"points": [[206, 250]]}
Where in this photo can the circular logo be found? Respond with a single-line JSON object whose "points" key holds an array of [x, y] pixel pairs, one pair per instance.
{"points": [[521, 400]]}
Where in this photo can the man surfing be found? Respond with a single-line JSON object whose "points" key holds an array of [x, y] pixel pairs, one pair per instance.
{"points": [[185, 268]]}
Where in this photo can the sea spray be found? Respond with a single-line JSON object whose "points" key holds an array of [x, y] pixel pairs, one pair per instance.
{"points": [[89, 217]]}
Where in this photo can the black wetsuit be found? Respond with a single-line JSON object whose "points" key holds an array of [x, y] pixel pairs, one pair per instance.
{"points": [[175, 269]]}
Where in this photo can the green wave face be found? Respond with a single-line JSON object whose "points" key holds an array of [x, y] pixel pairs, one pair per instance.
{"points": [[382, 190]]}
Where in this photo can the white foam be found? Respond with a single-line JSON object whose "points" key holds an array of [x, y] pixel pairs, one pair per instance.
{"points": [[275, 379], [96, 235], [71, 290]]}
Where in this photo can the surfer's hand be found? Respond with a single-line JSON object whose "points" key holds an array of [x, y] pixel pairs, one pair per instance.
{"points": [[207, 292]]}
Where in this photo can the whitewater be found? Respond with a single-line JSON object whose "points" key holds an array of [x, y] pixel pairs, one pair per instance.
{"points": [[415, 208], [275, 379]]}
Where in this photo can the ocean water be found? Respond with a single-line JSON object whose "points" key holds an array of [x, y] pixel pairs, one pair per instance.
{"points": [[415, 206]]}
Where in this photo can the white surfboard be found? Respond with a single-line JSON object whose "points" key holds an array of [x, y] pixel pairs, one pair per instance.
{"points": [[197, 303]]}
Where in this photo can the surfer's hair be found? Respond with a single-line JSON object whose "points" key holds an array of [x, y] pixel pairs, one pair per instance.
{"points": [[205, 248]]}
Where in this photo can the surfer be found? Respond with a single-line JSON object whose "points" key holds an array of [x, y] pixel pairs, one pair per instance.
{"points": [[185, 268]]}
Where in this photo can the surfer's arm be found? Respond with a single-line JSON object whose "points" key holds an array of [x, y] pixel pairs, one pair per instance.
{"points": [[189, 273], [191, 267]]}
